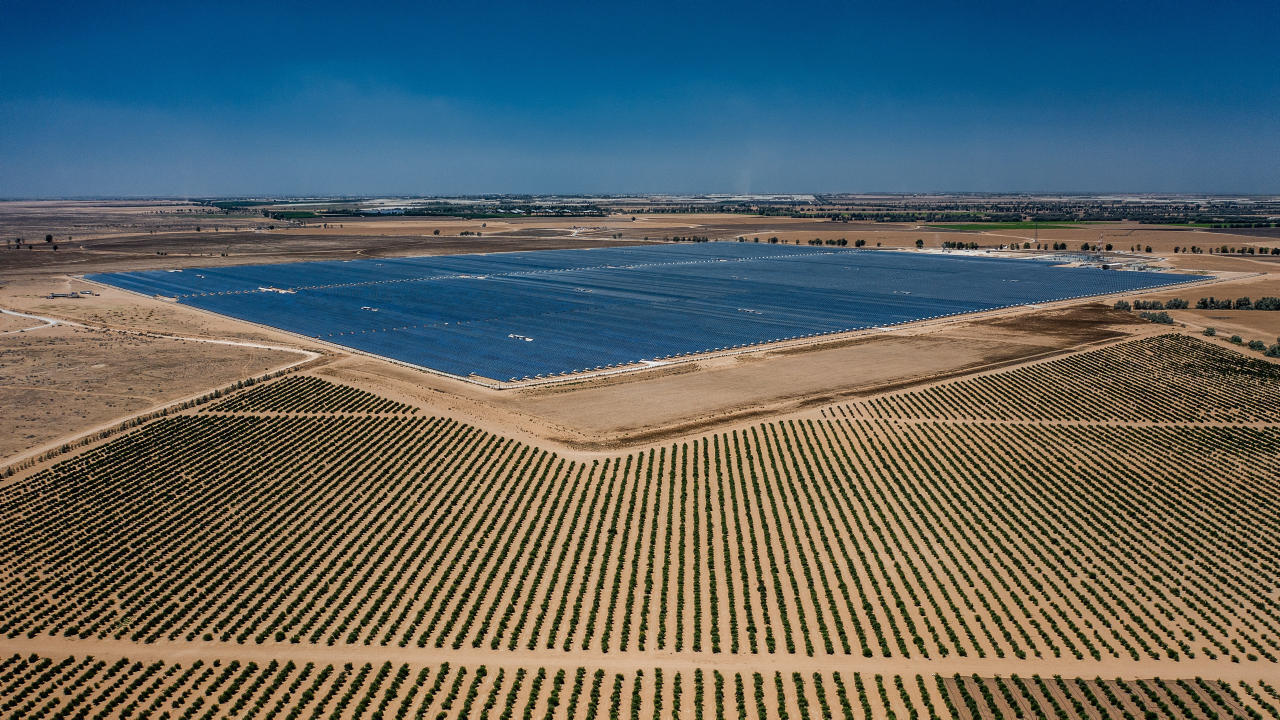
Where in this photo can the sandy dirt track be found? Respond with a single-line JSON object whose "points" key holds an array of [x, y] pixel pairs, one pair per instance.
{"points": [[632, 661]]}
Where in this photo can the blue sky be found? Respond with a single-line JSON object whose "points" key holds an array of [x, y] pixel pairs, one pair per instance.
{"points": [[140, 98]]}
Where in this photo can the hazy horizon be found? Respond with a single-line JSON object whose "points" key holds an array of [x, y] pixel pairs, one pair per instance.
{"points": [[165, 100], [335, 197]]}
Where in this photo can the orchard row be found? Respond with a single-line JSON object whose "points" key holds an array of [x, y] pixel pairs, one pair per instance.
{"points": [[308, 394], [830, 537], [1170, 378], [85, 687]]}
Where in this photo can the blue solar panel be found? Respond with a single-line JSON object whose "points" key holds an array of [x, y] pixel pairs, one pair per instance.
{"points": [[529, 314]]}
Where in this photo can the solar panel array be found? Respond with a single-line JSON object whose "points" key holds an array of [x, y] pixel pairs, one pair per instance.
{"points": [[526, 315]]}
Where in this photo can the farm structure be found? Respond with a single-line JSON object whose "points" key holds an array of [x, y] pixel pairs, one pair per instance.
{"points": [[515, 316], [275, 555]]}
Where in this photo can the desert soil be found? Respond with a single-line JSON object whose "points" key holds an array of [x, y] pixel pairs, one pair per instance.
{"points": [[61, 380]]}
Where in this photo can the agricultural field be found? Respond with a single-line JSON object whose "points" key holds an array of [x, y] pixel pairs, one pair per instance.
{"points": [[981, 227], [1176, 378], [307, 394], [1093, 535], [40, 686]]}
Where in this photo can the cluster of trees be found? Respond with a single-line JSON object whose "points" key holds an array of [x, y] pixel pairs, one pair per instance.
{"points": [[957, 245], [18, 243], [1255, 345], [690, 238], [1170, 304], [1241, 303], [1243, 250], [1161, 317]]}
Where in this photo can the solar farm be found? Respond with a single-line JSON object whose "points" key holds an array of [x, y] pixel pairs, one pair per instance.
{"points": [[521, 316]]}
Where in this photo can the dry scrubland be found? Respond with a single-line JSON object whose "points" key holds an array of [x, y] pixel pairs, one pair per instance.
{"points": [[62, 380], [1091, 536]]}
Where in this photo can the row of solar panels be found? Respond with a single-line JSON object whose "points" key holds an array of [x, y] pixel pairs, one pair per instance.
{"points": [[645, 303]]}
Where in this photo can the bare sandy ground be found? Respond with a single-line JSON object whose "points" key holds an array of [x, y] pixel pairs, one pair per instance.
{"points": [[114, 238], [120, 310], [1248, 324], [14, 324], [62, 380], [207, 249], [629, 662], [83, 219]]}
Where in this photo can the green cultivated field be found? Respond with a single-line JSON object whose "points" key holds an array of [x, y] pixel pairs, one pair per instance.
{"points": [[980, 227]]}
